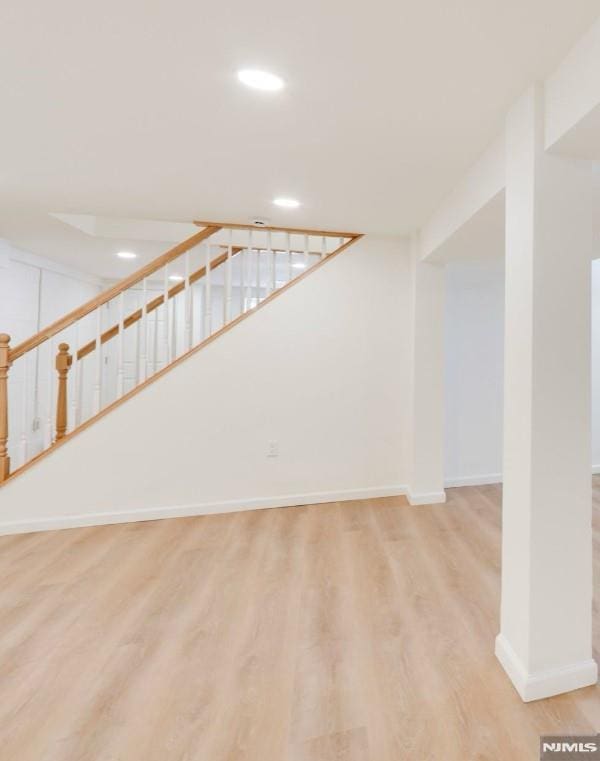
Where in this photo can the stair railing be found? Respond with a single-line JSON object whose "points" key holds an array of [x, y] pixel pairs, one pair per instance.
{"points": [[85, 363]]}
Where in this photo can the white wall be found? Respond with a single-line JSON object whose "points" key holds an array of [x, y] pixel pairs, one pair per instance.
{"points": [[596, 365], [35, 291], [474, 370], [323, 371]]}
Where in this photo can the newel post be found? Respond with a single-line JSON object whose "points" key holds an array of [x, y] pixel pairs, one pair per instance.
{"points": [[4, 365], [63, 363]]}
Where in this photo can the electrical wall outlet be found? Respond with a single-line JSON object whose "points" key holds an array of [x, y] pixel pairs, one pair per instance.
{"points": [[273, 449]]}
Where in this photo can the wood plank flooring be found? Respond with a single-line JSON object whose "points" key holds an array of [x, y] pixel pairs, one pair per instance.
{"points": [[358, 631]]}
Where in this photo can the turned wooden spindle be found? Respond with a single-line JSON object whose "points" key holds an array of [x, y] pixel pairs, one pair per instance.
{"points": [[63, 363], [4, 365]]}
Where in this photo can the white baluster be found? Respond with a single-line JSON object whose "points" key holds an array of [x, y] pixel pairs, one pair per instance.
{"points": [[25, 420], [137, 371], [97, 398], [79, 392], [193, 306], [49, 407], [36, 413], [306, 250], [207, 296], [120, 339], [188, 304], [227, 300], [258, 275], [145, 339], [340, 242], [167, 337], [323, 247], [155, 343], [242, 256], [288, 247], [273, 259], [174, 328], [73, 418], [248, 296]]}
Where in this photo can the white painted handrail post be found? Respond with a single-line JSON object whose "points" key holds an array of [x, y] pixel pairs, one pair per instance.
{"points": [[306, 250], [207, 295], [323, 247], [120, 359], [97, 397], [227, 299]]}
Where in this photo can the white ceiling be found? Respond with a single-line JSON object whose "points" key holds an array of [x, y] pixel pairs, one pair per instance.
{"points": [[132, 108]]}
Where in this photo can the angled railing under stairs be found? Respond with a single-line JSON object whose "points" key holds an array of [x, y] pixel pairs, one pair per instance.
{"points": [[75, 370]]}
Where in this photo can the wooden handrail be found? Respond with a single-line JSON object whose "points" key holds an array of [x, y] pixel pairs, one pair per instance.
{"points": [[155, 303], [291, 230], [109, 294]]}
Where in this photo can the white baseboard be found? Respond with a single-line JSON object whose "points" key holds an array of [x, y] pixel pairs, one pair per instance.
{"points": [[425, 498], [482, 480], [545, 683], [489, 478], [183, 511]]}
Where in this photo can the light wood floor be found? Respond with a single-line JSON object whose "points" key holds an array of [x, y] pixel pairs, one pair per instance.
{"points": [[356, 631]]}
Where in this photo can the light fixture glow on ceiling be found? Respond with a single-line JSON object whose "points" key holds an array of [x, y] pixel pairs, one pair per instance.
{"points": [[176, 278], [260, 80], [286, 203], [127, 255]]}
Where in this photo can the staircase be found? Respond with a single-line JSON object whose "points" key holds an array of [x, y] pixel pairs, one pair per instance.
{"points": [[76, 370]]}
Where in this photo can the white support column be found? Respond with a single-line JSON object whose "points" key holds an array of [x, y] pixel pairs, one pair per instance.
{"points": [[426, 427], [546, 614]]}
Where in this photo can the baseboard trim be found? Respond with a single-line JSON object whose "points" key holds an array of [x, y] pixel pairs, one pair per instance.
{"points": [[544, 684], [483, 480], [426, 498], [185, 511], [489, 478]]}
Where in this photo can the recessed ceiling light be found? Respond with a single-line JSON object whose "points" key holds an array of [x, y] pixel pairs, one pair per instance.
{"points": [[286, 203], [127, 255], [176, 278], [260, 80]]}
